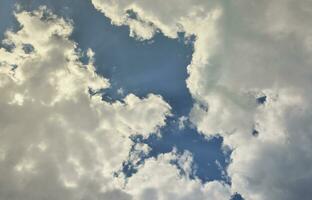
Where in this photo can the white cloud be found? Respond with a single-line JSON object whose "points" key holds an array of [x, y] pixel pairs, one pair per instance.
{"points": [[244, 49], [182, 121], [157, 179], [58, 141], [170, 16]]}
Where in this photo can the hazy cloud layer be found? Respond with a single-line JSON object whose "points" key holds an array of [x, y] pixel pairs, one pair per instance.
{"points": [[244, 50]]}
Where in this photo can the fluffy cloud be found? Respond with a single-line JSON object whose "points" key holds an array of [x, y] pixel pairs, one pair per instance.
{"points": [[170, 184], [244, 50], [60, 140], [57, 140]]}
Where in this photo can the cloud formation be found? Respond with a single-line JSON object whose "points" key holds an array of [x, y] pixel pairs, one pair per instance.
{"points": [[60, 140], [244, 50]]}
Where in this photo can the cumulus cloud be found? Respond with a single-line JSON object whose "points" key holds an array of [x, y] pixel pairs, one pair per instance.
{"points": [[59, 140], [244, 50], [170, 184]]}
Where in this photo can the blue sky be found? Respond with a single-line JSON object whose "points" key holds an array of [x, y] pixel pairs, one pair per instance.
{"points": [[154, 66], [242, 99], [140, 67]]}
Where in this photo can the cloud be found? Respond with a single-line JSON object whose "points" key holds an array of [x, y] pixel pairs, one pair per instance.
{"points": [[57, 140], [244, 50], [158, 179], [60, 140]]}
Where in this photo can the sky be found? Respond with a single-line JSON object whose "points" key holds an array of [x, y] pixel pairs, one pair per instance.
{"points": [[154, 100]]}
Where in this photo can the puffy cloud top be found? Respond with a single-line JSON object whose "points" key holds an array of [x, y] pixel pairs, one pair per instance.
{"points": [[244, 50], [60, 140]]}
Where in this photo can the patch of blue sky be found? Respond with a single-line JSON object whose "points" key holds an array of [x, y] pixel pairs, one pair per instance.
{"points": [[7, 19], [208, 157], [156, 66]]}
